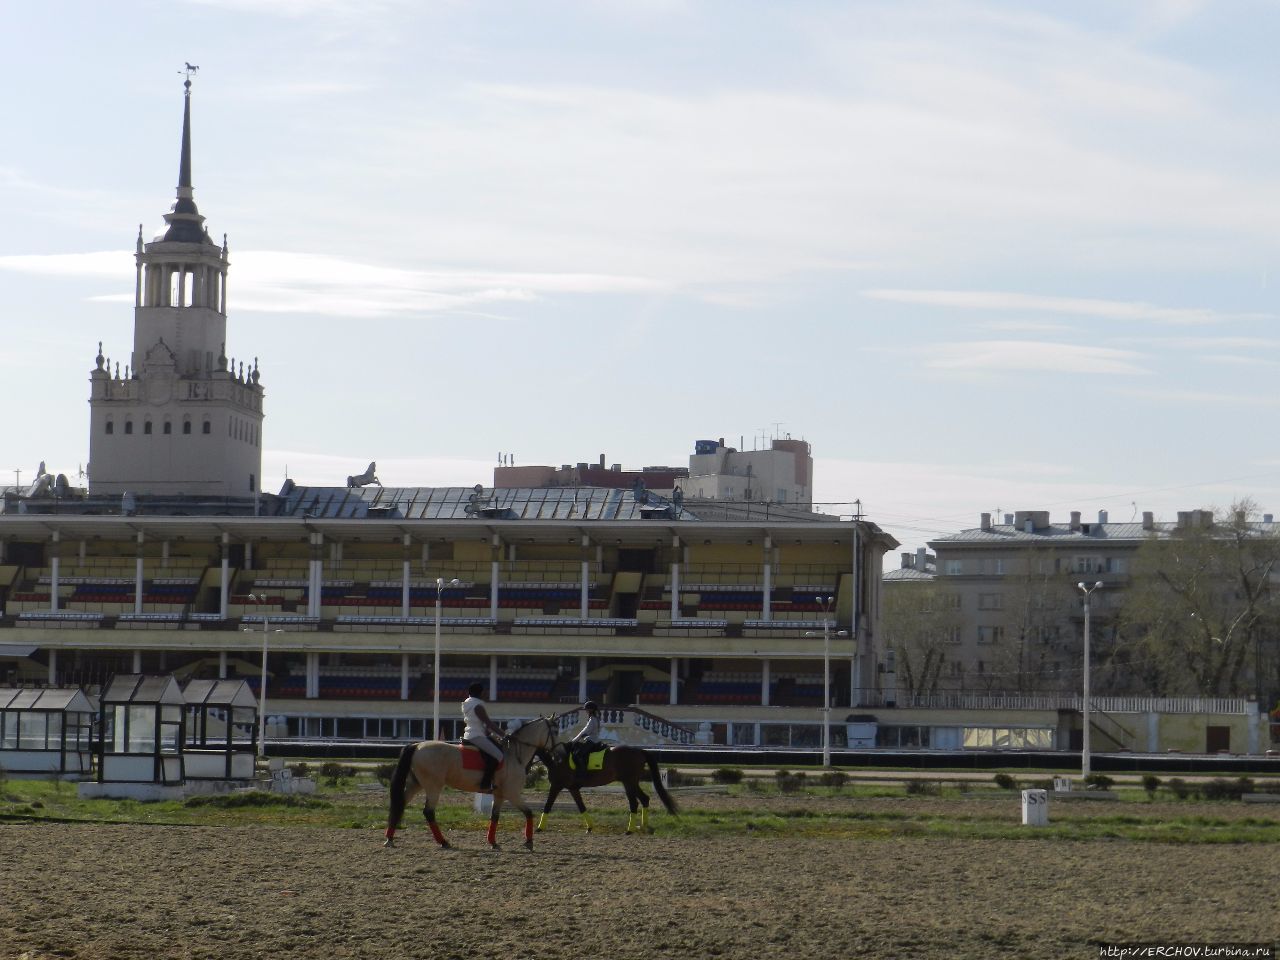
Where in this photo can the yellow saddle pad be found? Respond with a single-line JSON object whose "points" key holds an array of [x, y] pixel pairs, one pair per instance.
{"points": [[595, 760]]}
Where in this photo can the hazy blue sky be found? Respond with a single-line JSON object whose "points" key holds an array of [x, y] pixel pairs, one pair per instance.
{"points": [[983, 255]]}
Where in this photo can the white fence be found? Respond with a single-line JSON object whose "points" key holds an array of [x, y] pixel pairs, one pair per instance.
{"points": [[1220, 706]]}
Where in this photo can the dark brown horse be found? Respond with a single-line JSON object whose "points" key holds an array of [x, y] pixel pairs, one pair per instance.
{"points": [[627, 765]]}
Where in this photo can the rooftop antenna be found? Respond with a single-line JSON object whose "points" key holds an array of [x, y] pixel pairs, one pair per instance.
{"points": [[1134, 504]]}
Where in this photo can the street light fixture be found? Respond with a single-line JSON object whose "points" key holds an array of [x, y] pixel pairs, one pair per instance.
{"points": [[1088, 598], [826, 675], [435, 669], [262, 680]]}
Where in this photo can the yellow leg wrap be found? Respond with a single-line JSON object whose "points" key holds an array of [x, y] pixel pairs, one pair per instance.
{"points": [[586, 821], [644, 818], [542, 821], [631, 821]]}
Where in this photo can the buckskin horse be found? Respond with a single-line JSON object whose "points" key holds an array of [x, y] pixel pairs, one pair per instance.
{"points": [[430, 766], [624, 764]]}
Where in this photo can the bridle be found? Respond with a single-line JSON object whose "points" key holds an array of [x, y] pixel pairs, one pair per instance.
{"points": [[516, 739]]}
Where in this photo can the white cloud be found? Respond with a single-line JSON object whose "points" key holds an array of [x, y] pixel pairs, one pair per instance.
{"points": [[282, 282], [1073, 306], [1032, 355]]}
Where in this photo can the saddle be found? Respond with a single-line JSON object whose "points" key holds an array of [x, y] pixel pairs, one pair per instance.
{"points": [[587, 757], [473, 759]]}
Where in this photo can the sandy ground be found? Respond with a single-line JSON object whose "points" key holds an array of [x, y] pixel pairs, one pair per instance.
{"points": [[127, 892]]}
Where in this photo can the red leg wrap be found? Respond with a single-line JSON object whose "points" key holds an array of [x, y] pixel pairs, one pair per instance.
{"points": [[435, 832], [493, 832], [528, 828]]}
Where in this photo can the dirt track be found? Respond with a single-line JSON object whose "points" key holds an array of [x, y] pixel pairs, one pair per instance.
{"points": [[237, 893]]}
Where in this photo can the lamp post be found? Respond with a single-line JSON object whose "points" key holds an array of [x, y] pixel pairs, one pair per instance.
{"points": [[826, 675], [1088, 598], [435, 667], [262, 681]]}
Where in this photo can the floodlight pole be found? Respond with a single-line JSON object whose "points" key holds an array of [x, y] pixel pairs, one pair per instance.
{"points": [[1084, 746], [826, 676], [262, 684]]}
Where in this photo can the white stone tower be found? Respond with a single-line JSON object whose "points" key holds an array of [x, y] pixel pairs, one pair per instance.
{"points": [[181, 420]]}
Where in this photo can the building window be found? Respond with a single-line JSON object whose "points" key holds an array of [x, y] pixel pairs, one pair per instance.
{"points": [[111, 427], [955, 568], [990, 601], [146, 427], [954, 601], [993, 566], [990, 634], [1117, 565], [186, 427], [206, 428], [168, 428], [1087, 564], [128, 426]]}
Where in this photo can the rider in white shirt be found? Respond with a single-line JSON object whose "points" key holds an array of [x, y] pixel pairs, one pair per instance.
{"points": [[584, 741], [477, 731]]}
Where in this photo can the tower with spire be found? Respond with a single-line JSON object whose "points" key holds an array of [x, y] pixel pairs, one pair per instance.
{"points": [[180, 419]]}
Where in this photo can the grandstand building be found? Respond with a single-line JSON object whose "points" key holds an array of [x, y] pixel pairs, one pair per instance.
{"points": [[718, 616]]}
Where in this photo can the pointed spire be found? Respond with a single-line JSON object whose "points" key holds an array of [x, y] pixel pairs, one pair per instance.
{"points": [[184, 164], [185, 223]]}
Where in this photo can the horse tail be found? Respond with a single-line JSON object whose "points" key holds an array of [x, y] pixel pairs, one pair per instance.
{"points": [[398, 780], [658, 788]]}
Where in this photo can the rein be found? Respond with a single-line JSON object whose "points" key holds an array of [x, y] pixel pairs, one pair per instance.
{"points": [[514, 741]]}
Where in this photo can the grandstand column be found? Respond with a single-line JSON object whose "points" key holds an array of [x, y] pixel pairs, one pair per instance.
{"points": [[404, 676], [226, 572], [53, 575], [582, 679], [53, 668], [767, 599], [495, 555], [222, 664], [137, 661], [404, 584], [313, 676], [164, 554], [315, 575], [84, 549], [673, 692], [584, 600], [248, 554], [493, 676], [764, 683], [137, 578], [675, 578]]}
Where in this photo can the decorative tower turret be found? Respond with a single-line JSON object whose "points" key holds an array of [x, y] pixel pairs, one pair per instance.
{"points": [[181, 421]]}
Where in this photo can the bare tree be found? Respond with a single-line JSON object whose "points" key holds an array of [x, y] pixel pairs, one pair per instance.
{"points": [[921, 621], [1201, 604]]}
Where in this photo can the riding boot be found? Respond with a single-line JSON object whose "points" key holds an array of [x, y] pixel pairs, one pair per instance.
{"points": [[490, 768]]}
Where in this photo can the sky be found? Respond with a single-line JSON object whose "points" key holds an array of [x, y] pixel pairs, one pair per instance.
{"points": [[984, 256]]}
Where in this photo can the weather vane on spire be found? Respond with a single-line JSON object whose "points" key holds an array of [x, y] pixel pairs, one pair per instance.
{"points": [[189, 70]]}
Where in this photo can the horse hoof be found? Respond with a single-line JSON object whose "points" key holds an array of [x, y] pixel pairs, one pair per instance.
{"points": [[528, 845], [388, 842], [494, 846]]}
